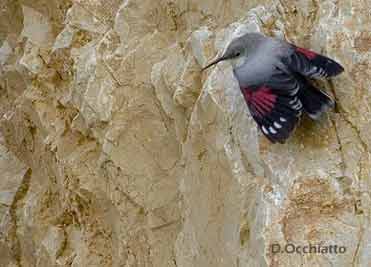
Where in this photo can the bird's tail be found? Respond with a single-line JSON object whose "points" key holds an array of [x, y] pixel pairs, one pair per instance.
{"points": [[315, 101]]}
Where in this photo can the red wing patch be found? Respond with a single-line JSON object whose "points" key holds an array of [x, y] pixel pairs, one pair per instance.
{"points": [[276, 113], [308, 53], [261, 101]]}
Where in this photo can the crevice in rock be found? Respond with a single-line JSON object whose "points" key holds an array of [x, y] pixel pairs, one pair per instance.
{"points": [[19, 196], [159, 227], [360, 239], [112, 74], [341, 149], [63, 247], [343, 113]]}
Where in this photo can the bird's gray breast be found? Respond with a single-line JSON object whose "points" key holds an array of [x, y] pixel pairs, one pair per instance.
{"points": [[256, 70]]}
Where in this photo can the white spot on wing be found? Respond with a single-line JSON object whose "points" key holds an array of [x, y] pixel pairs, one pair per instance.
{"points": [[277, 125], [295, 90], [298, 106], [272, 130], [265, 130], [293, 101], [283, 119]]}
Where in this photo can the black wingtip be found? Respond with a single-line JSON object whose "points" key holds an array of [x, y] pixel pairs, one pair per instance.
{"points": [[341, 69], [337, 68], [331, 67]]}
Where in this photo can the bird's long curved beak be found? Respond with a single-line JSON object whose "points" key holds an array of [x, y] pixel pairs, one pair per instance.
{"points": [[216, 61]]}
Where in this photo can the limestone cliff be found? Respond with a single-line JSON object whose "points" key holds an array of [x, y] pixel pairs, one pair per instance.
{"points": [[115, 150]]}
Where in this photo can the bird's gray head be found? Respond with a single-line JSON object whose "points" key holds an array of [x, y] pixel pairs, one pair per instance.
{"points": [[239, 49], [236, 50]]}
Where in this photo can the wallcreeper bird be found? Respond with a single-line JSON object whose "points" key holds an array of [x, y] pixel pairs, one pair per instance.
{"points": [[272, 75]]}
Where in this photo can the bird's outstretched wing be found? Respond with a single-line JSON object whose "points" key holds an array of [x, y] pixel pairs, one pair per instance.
{"points": [[275, 105], [311, 64]]}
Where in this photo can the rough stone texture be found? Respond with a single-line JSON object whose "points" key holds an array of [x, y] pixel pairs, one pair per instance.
{"points": [[115, 150]]}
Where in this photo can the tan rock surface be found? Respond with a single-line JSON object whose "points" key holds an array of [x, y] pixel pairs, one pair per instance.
{"points": [[115, 150]]}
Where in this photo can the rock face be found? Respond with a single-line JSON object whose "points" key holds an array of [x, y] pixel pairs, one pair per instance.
{"points": [[115, 150]]}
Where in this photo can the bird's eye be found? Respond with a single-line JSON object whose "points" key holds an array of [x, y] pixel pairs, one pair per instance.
{"points": [[238, 54]]}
